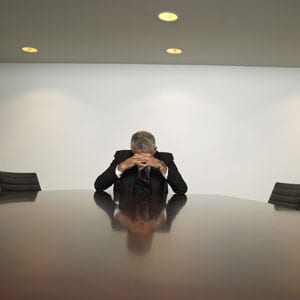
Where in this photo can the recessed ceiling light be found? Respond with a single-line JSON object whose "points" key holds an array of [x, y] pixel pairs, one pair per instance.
{"points": [[29, 49], [167, 16], [174, 51]]}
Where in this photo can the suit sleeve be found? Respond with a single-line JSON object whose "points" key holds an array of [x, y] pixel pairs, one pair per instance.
{"points": [[108, 177], [174, 179]]}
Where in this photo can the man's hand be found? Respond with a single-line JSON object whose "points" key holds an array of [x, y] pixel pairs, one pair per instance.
{"points": [[147, 160], [129, 163], [141, 160], [151, 161]]}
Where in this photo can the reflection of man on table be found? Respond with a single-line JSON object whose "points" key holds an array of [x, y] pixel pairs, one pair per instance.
{"points": [[140, 216], [142, 170]]}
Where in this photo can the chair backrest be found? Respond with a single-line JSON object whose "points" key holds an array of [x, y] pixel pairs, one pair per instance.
{"points": [[286, 194], [19, 182]]}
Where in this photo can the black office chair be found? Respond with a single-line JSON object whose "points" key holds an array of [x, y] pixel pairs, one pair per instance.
{"points": [[19, 182], [286, 194]]}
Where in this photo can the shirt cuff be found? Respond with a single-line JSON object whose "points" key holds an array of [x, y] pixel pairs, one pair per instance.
{"points": [[167, 173], [118, 173]]}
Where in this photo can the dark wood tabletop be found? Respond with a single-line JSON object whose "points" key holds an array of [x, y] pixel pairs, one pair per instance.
{"points": [[81, 245]]}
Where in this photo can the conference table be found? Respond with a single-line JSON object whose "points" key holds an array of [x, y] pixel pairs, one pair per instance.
{"points": [[79, 244]]}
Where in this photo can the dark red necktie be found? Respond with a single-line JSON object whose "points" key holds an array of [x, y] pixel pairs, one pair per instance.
{"points": [[143, 175]]}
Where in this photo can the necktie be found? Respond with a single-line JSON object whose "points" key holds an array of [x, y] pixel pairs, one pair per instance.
{"points": [[144, 175]]}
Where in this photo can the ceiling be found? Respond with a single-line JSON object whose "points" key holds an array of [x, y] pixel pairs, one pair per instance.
{"points": [[210, 32]]}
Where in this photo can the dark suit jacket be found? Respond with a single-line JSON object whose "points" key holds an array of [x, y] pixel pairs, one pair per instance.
{"points": [[158, 184]]}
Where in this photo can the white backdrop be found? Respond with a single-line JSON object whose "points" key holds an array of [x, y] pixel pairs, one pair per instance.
{"points": [[233, 130]]}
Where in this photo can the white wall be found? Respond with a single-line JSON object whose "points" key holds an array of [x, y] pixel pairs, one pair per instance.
{"points": [[233, 130]]}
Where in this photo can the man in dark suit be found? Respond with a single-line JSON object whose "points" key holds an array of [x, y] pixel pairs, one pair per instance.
{"points": [[142, 170]]}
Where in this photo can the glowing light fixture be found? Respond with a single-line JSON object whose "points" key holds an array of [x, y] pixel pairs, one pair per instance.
{"points": [[29, 49], [174, 51], [168, 16]]}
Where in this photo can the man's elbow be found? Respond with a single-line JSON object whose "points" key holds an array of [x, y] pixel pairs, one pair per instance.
{"points": [[181, 189], [98, 185], [97, 188]]}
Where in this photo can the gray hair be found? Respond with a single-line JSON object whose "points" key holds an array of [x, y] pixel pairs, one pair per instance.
{"points": [[143, 140]]}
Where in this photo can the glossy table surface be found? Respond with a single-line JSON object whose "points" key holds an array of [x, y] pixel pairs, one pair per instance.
{"points": [[77, 245]]}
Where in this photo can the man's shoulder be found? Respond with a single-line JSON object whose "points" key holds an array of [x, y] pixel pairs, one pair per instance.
{"points": [[123, 153], [165, 156]]}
